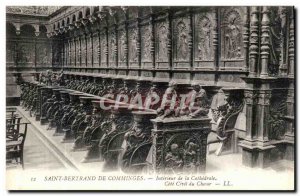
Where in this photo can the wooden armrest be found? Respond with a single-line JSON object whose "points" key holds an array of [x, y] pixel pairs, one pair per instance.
{"points": [[13, 143]]}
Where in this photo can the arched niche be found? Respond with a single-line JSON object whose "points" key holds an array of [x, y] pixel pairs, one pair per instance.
{"points": [[27, 30], [10, 30], [87, 12], [43, 31]]}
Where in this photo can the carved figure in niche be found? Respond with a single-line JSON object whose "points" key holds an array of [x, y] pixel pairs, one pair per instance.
{"points": [[169, 102], [122, 46], [44, 56], [103, 53], [133, 46], [233, 38], [190, 156], [147, 43], [112, 48], [182, 41], [204, 43], [163, 43], [173, 159]]}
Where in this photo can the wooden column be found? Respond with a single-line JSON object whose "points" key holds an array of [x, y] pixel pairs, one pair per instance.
{"points": [[290, 116], [265, 42], [253, 50]]}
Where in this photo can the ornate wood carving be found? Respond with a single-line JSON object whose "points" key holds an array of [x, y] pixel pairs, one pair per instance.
{"points": [[133, 45], [112, 47], [162, 42], [204, 26], [181, 36]]}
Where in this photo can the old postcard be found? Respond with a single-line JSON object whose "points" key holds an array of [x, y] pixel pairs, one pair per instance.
{"points": [[150, 98]]}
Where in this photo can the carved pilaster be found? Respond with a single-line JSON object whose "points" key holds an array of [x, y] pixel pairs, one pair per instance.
{"points": [[139, 43], [90, 51], [246, 37], [263, 113], [152, 44], [191, 37], [291, 45], [170, 38], [253, 53], [250, 99], [265, 41], [282, 12], [215, 36]]}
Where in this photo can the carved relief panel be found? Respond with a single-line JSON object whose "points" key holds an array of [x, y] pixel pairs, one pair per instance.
{"points": [[66, 47], [278, 42], [96, 49], [84, 40], [10, 53], [181, 37], [56, 55], [24, 54], [104, 49], [89, 50], [133, 47], [43, 54], [232, 49], [78, 52], [112, 47], [72, 52], [122, 39], [162, 42], [203, 47], [146, 44]]}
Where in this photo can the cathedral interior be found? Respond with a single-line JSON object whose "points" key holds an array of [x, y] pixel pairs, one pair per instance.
{"points": [[234, 65]]}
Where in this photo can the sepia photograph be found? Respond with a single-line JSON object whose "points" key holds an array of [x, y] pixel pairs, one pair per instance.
{"points": [[150, 98]]}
